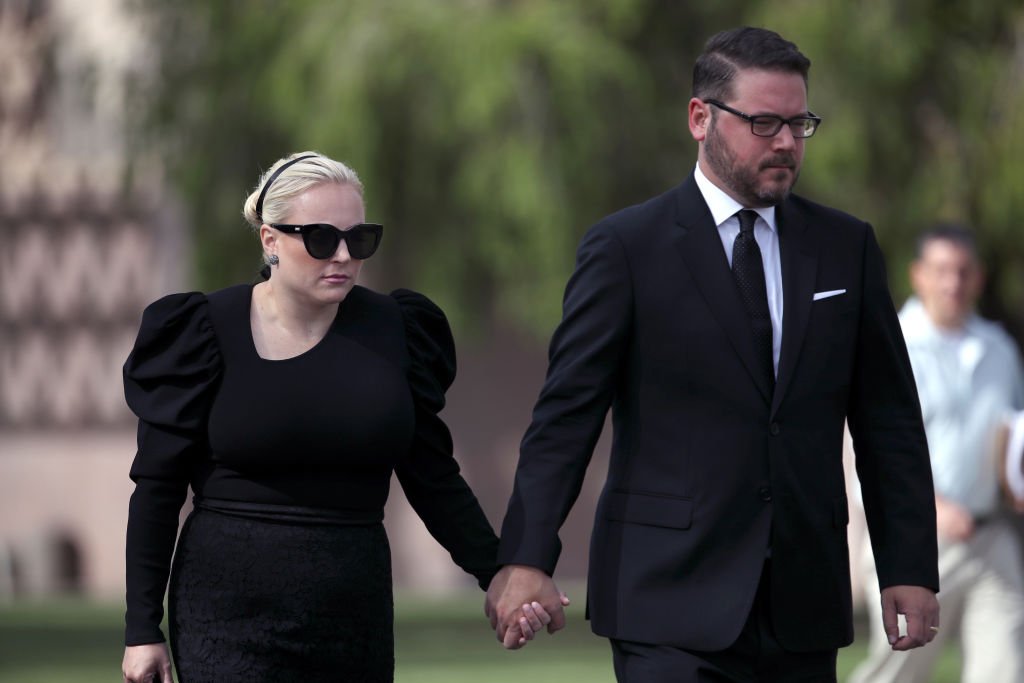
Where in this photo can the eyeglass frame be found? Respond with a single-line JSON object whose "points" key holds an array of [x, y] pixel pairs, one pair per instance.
{"points": [[343, 235], [752, 120]]}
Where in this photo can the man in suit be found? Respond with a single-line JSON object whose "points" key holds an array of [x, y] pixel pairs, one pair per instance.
{"points": [[731, 347]]}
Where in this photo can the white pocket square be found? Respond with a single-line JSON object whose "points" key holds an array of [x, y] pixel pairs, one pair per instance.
{"points": [[824, 295]]}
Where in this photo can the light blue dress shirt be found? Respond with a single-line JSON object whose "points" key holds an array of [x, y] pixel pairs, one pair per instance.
{"points": [[968, 381]]}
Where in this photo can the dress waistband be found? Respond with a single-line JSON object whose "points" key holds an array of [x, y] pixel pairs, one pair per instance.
{"points": [[290, 513]]}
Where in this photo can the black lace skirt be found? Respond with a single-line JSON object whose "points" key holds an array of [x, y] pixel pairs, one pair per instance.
{"points": [[255, 599]]}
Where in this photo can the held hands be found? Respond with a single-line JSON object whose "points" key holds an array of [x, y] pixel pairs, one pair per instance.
{"points": [[520, 602], [147, 664], [921, 609]]}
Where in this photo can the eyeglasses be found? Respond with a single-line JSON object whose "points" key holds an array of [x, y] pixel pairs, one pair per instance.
{"points": [[322, 239], [769, 125]]}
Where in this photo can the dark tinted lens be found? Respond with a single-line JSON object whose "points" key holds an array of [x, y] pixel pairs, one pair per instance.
{"points": [[362, 241], [322, 241]]}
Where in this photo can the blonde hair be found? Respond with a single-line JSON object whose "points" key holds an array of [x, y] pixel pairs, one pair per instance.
{"points": [[293, 181]]}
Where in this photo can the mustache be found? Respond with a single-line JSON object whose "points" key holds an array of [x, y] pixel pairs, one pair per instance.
{"points": [[779, 160]]}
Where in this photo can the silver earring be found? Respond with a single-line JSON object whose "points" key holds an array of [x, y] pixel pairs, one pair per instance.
{"points": [[273, 260]]}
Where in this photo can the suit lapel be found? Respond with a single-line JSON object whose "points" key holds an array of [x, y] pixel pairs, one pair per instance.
{"points": [[799, 267], [700, 246]]}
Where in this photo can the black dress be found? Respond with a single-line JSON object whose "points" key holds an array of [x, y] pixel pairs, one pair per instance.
{"points": [[282, 571]]}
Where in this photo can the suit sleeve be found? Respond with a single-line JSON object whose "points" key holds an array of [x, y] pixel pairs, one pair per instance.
{"points": [[889, 440], [583, 368]]}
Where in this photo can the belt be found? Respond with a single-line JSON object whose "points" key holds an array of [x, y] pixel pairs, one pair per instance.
{"points": [[290, 513]]}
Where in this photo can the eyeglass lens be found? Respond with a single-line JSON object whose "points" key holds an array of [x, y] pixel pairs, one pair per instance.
{"points": [[769, 126]]}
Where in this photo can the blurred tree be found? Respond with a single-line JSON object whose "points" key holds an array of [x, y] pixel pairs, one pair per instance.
{"points": [[924, 108], [488, 134], [491, 133]]}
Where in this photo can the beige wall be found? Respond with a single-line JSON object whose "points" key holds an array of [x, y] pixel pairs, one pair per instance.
{"points": [[73, 484]]}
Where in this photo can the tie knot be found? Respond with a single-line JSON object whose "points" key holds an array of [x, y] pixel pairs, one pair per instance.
{"points": [[747, 219]]}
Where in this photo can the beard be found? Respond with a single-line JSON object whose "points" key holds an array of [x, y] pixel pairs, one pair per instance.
{"points": [[744, 181]]}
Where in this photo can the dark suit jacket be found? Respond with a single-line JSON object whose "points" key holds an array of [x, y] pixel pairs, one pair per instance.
{"points": [[709, 467]]}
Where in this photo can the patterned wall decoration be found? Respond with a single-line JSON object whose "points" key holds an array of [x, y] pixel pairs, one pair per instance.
{"points": [[73, 282], [90, 236], [82, 249]]}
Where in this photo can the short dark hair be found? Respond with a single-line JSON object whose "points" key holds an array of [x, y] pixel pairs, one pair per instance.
{"points": [[743, 48], [957, 233]]}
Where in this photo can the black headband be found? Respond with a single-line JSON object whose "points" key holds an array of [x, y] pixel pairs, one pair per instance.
{"points": [[280, 169]]}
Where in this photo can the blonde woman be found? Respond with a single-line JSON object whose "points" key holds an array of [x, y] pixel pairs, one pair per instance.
{"points": [[286, 405]]}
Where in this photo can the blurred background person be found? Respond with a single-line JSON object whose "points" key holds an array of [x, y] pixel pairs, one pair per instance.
{"points": [[969, 377]]}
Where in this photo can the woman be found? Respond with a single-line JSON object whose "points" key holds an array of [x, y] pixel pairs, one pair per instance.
{"points": [[286, 405]]}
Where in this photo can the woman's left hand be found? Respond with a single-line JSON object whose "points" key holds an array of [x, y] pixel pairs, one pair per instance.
{"points": [[534, 618]]}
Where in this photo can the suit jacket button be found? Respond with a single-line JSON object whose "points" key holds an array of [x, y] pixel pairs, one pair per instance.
{"points": [[765, 492], [774, 429]]}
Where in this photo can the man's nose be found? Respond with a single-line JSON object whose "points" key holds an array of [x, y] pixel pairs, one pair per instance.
{"points": [[784, 139], [953, 282]]}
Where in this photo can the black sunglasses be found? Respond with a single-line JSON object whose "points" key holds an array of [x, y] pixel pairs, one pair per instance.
{"points": [[322, 239]]}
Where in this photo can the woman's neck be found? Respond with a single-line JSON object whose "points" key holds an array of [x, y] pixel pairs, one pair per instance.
{"points": [[292, 317]]}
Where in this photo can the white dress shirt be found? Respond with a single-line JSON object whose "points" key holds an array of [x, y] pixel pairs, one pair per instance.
{"points": [[723, 211]]}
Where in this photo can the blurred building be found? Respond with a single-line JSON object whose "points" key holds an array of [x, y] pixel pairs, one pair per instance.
{"points": [[89, 239]]}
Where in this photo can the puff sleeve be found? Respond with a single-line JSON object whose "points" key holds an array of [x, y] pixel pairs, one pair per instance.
{"points": [[169, 379], [428, 473]]}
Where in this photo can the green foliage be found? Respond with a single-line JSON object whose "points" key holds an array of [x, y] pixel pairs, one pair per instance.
{"points": [[476, 126], [491, 133], [924, 109]]}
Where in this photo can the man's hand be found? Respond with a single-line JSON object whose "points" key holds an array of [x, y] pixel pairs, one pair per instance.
{"points": [[520, 601], [921, 609], [953, 520], [147, 664]]}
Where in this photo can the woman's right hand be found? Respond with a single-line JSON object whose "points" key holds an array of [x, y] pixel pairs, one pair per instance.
{"points": [[147, 664]]}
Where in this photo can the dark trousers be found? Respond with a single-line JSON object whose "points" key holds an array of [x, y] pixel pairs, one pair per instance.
{"points": [[755, 657]]}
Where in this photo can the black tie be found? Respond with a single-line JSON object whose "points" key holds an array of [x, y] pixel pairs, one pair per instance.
{"points": [[748, 270]]}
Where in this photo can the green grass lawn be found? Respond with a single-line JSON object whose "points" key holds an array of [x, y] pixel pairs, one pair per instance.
{"points": [[436, 641]]}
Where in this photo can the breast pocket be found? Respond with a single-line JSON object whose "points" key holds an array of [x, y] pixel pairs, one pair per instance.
{"points": [[835, 317], [842, 302], [828, 349]]}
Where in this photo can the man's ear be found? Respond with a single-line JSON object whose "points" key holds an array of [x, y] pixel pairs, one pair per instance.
{"points": [[699, 118]]}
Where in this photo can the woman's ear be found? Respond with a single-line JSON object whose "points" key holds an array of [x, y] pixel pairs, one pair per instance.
{"points": [[268, 239]]}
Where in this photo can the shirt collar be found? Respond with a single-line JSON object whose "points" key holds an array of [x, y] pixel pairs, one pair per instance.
{"points": [[723, 207]]}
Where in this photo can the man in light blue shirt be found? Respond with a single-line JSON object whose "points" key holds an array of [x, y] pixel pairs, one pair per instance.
{"points": [[969, 377]]}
